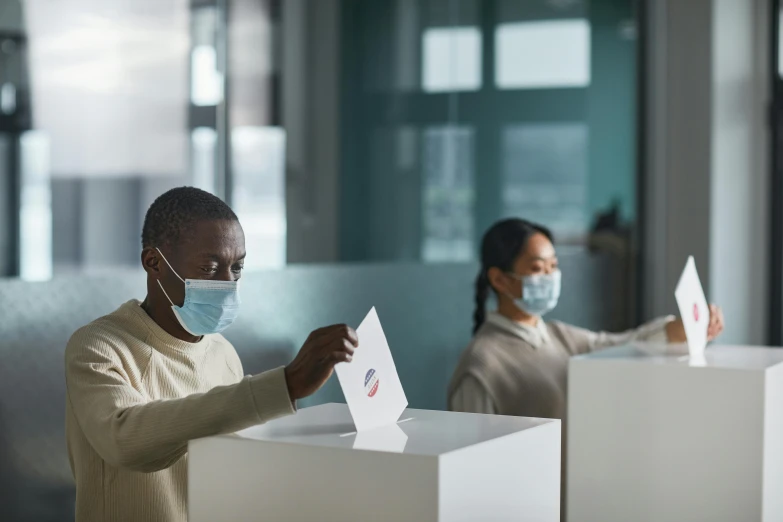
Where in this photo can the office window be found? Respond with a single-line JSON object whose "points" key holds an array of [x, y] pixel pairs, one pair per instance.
{"points": [[780, 43], [206, 80], [13, 74], [258, 176], [448, 194], [203, 144], [552, 140], [451, 59], [545, 175], [8, 98], [542, 54], [35, 213], [109, 86]]}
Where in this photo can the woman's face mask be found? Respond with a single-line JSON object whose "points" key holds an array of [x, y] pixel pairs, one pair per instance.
{"points": [[540, 293]]}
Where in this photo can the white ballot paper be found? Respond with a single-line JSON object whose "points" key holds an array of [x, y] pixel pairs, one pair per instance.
{"points": [[370, 382], [694, 309]]}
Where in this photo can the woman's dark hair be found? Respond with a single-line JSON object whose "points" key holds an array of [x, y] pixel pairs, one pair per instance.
{"points": [[501, 245]]}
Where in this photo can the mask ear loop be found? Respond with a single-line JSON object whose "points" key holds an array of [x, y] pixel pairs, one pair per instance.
{"points": [[175, 273], [167, 262], [166, 294], [521, 281]]}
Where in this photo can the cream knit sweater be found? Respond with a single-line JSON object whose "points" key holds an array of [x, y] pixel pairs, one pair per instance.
{"points": [[136, 396]]}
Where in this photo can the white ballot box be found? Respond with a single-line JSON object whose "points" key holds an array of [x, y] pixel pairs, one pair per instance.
{"points": [[655, 435], [431, 466]]}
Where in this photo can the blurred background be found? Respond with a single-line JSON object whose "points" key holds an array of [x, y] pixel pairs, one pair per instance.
{"points": [[366, 145], [339, 131]]}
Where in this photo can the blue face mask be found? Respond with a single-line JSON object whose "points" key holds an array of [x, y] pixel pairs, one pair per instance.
{"points": [[210, 306], [540, 293]]}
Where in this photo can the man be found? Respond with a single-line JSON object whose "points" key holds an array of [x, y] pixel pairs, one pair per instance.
{"points": [[147, 378]]}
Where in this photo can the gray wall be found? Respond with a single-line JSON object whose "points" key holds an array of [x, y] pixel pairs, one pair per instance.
{"points": [[6, 205], [97, 221], [707, 147], [67, 226], [739, 218], [11, 16], [310, 113], [679, 144], [110, 219]]}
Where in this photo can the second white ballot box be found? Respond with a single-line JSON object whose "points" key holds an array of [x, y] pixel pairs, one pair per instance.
{"points": [[431, 466], [655, 435]]}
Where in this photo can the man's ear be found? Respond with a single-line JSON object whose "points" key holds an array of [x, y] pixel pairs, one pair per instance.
{"points": [[150, 261]]}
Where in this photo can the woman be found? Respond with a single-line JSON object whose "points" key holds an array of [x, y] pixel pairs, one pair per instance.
{"points": [[517, 363]]}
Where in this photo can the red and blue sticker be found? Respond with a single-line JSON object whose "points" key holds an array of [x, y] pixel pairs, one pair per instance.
{"points": [[371, 383]]}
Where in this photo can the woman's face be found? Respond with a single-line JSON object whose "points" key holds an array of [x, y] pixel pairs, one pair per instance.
{"points": [[538, 258]]}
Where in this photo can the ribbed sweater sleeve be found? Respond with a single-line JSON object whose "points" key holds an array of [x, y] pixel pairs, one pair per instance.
{"points": [[129, 431]]}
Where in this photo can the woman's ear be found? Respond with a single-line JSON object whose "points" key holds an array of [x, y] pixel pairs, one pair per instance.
{"points": [[498, 280]]}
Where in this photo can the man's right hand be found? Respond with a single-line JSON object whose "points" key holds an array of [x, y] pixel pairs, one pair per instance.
{"points": [[314, 363]]}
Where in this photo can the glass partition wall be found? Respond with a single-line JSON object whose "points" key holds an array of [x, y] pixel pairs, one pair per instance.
{"points": [[457, 113], [339, 130]]}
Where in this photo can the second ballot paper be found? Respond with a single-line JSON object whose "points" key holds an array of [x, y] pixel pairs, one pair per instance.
{"points": [[694, 310], [370, 382]]}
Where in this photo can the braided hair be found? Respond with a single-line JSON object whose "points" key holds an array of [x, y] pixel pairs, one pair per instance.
{"points": [[500, 247]]}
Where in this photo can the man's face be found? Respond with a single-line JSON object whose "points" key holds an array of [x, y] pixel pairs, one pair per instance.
{"points": [[213, 250]]}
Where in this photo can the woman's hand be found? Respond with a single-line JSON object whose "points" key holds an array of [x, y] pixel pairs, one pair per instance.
{"points": [[675, 330], [715, 327]]}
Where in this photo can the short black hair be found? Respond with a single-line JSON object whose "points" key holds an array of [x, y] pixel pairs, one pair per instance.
{"points": [[177, 211]]}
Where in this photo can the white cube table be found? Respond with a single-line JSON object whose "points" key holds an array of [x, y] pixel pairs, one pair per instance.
{"points": [[437, 466], [655, 436]]}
